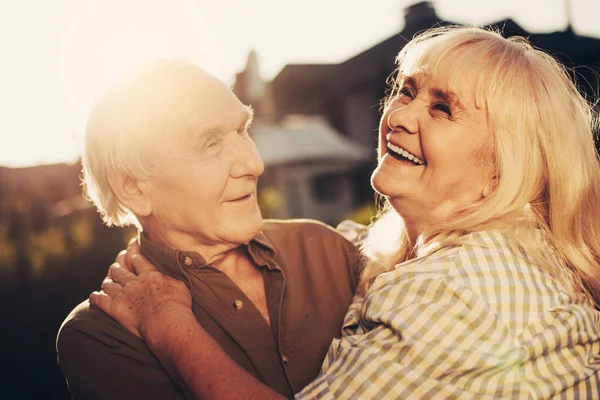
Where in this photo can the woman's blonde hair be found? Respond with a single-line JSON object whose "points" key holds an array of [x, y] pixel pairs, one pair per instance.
{"points": [[543, 151]]}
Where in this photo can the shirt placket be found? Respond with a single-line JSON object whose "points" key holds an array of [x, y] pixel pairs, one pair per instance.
{"points": [[238, 318]]}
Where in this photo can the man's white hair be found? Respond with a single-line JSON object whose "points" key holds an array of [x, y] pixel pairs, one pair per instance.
{"points": [[144, 103]]}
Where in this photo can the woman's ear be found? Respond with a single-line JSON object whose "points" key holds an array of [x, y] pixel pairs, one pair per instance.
{"points": [[490, 186], [127, 190]]}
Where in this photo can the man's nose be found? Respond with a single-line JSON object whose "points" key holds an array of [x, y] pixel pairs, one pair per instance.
{"points": [[248, 161], [403, 118]]}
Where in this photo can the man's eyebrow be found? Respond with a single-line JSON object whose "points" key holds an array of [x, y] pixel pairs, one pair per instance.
{"points": [[213, 132], [207, 133], [249, 117]]}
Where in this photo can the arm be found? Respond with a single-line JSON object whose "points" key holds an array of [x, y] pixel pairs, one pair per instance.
{"points": [[101, 360], [201, 363], [419, 337], [158, 308], [356, 234], [425, 337]]}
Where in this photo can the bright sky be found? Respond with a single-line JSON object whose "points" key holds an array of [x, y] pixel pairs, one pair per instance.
{"points": [[58, 55]]}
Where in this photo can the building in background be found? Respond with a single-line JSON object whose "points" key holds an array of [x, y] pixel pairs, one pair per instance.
{"points": [[347, 99], [308, 169], [309, 165]]}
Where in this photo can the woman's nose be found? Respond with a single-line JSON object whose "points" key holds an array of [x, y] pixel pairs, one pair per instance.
{"points": [[403, 119]]}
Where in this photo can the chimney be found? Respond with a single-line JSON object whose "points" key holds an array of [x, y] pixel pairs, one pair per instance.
{"points": [[420, 15], [249, 86]]}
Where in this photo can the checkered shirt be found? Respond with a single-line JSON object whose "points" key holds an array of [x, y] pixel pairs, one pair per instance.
{"points": [[469, 321]]}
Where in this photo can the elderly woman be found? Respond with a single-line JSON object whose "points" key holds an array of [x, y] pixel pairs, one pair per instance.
{"points": [[485, 262]]}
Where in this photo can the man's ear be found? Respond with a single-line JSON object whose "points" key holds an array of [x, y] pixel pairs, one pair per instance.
{"points": [[490, 186], [127, 190]]}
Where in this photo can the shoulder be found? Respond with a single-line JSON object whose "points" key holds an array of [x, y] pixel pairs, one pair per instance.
{"points": [[471, 255], [305, 232], [88, 330], [276, 227], [85, 317], [102, 360], [312, 245], [497, 253]]}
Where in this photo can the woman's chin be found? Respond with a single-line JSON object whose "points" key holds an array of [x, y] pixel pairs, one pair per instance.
{"points": [[383, 184]]}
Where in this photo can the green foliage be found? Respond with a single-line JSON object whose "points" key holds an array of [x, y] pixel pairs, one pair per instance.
{"points": [[8, 250], [270, 202], [363, 214]]}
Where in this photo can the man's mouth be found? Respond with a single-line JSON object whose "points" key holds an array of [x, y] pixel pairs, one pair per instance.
{"points": [[242, 198], [403, 155]]}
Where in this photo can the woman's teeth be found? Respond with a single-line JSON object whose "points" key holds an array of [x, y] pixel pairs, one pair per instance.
{"points": [[405, 154]]}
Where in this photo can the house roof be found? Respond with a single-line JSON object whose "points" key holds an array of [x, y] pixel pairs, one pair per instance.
{"points": [[304, 81], [301, 138], [305, 88]]}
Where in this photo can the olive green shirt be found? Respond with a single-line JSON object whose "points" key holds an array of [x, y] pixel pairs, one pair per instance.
{"points": [[310, 272]]}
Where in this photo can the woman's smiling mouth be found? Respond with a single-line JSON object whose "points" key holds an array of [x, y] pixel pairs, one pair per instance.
{"points": [[402, 154]]}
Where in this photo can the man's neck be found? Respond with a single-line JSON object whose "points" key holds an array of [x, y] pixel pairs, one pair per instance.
{"points": [[214, 254], [234, 262]]}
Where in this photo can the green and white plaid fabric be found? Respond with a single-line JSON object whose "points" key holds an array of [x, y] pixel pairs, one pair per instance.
{"points": [[471, 321]]}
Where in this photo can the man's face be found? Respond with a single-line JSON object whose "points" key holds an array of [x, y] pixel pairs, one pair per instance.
{"points": [[203, 174]]}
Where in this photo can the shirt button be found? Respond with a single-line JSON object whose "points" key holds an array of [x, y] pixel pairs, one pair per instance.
{"points": [[284, 359], [187, 261], [238, 305]]}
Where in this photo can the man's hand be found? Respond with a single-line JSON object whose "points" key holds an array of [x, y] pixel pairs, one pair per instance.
{"points": [[157, 309], [142, 300], [124, 257]]}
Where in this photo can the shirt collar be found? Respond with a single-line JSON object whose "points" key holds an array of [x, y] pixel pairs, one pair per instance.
{"points": [[262, 251], [166, 259], [175, 262]]}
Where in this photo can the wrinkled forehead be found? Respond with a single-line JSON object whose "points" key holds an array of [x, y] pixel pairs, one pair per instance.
{"points": [[196, 103], [455, 68]]}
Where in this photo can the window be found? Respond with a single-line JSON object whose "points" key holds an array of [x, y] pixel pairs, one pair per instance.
{"points": [[328, 187]]}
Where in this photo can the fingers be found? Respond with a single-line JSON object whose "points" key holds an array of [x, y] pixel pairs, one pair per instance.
{"points": [[100, 300], [133, 248], [111, 288], [120, 275], [123, 261], [141, 264]]}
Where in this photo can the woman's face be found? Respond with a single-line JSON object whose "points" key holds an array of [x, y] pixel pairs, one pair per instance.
{"points": [[434, 150]]}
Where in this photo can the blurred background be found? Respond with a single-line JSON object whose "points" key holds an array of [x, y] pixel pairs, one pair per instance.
{"points": [[314, 71]]}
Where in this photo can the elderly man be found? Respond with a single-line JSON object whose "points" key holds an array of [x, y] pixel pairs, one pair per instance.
{"points": [[167, 149]]}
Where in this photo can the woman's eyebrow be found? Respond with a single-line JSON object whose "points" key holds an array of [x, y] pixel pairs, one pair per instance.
{"points": [[409, 81], [446, 96]]}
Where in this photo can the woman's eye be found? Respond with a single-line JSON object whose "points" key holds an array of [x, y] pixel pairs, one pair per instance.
{"points": [[405, 92], [443, 108]]}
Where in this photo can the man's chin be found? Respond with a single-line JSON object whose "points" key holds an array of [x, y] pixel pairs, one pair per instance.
{"points": [[247, 230]]}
